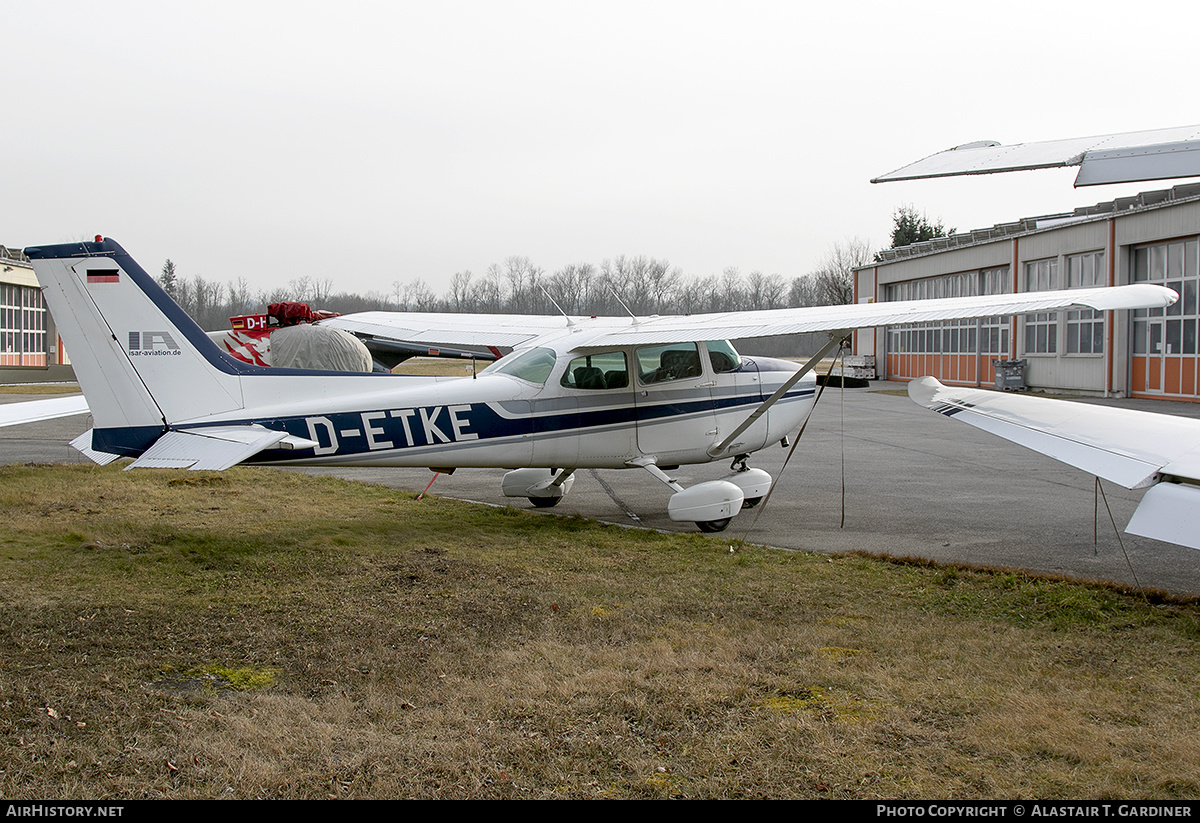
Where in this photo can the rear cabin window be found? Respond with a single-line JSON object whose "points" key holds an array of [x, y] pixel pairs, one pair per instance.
{"points": [[594, 372], [723, 356], [674, 361]]}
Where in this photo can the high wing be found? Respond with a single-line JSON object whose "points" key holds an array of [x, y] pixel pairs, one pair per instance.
{"points": [[513, 330], [1135, 449], [431, 329], [1157, 154]]}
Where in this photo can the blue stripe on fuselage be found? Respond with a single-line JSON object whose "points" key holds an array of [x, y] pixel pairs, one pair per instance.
{"points": [[381, 430]]}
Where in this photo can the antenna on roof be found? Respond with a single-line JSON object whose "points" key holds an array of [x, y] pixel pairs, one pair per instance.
{"points": [[555, 302], [613, 292]]}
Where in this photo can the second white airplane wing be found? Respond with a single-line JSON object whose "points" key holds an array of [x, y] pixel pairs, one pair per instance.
{"points": [[32, 411], [1157, 154], [1128, 447], [1135, 449]]}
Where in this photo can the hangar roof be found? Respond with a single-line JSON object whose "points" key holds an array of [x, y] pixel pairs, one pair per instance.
{"points": [[1143, 201]]}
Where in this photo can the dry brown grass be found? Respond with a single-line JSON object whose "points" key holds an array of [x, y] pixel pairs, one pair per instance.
{"points": [[40, 388], [440, 366], [268, 634]]}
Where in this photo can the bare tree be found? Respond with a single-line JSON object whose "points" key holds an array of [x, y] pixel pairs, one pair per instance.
{"points": [[803, 291], [488, 294], [572, 287], [764, 291], [834, 280], [420, 297], [460, 291]]}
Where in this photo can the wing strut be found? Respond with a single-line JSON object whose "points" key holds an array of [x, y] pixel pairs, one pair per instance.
{"points": [[835, 340]]}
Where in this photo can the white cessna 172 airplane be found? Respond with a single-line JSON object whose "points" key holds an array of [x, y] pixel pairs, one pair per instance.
{"points": [[645, 393]]}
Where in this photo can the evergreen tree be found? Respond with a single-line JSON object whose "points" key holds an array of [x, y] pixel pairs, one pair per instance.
{"points": [[908, 227], [168, 280]]}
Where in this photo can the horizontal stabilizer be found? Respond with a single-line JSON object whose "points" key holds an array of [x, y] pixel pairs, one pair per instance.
{"points": [[213, 448], [1127, 447], [32, 411], [1169, 512], [83, 445]]}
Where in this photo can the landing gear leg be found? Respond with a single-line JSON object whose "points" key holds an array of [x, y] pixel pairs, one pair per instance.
{"points": [[709, 505]]}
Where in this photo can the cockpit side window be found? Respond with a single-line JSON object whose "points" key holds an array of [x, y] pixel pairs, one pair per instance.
{"points": [[723, 356], [674, 361], [533, 365], [607, 370]]}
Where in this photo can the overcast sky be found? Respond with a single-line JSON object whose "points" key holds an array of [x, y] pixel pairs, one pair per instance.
{"points": [[372, 142]]}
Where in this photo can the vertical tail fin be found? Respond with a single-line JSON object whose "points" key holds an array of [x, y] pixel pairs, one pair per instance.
{"points": [[142, 363]]}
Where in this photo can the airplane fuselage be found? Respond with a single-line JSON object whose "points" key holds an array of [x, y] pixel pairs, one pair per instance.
{"points": [[505, 420]]}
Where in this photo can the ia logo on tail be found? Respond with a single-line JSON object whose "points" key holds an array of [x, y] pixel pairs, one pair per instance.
{"points": [[152, 343]]}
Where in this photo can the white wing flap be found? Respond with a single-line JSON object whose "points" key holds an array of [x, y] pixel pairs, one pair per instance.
{"points": [[213, 448], [1169, 512], [1128, 447]]}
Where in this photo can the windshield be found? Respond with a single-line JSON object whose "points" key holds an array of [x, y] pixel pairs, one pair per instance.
{"points": [[533, 365]]}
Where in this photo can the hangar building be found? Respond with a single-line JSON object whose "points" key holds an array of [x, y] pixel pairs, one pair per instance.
{"points": [[30, 350], [1153, 237]]}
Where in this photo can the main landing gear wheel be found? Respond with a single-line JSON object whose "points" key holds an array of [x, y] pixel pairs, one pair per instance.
{"points": [[712, 526], [544, 502], [751, 502]]}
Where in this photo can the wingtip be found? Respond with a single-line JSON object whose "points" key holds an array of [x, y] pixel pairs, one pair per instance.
{"points": [[922, 390]]}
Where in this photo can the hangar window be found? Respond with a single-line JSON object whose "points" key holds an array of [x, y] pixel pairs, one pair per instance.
{"points": [[993, 331], [1172, 330], [1041, 330], [1085, 328], [23, 326]]}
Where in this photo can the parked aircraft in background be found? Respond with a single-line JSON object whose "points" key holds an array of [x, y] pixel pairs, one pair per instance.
{"points": [[646, 393]]}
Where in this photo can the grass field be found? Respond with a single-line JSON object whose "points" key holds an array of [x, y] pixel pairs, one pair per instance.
{"points": [[40, 388], [263, 634]]}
